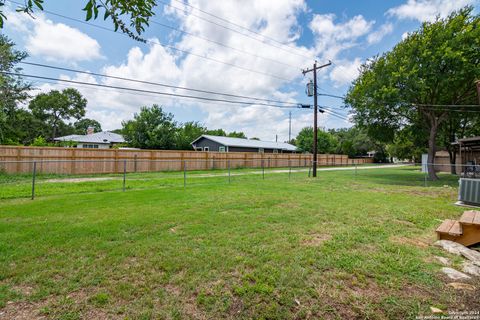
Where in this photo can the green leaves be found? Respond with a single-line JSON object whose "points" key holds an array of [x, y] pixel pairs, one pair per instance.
{"points": [[130, 16]]}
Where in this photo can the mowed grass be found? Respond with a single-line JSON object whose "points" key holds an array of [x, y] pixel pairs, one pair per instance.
{"points": [[341, 246]]}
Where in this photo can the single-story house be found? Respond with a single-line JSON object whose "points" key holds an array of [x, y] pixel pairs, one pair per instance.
{"points": [[99, 140], [227, 144]]}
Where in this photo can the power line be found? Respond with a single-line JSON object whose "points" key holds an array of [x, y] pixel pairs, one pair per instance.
{"points": [[149, 91], [240, 26], [155, 83], [165, 46], [185, 13], [223, 45]]}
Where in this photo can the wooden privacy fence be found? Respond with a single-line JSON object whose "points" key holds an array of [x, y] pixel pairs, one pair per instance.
{"points": [[15, 159]]}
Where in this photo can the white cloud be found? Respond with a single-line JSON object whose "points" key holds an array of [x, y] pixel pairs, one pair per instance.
{"points": [[157, 64], [345, 72], [428, 10], [378, 35], [54, 41], [331, 38]]}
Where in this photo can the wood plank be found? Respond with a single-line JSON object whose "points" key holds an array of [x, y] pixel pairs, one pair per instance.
{"points": [[445, 226], [456, 229], [476, 220], [467, 217]]}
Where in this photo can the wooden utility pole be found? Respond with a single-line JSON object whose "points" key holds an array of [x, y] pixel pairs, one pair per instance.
{"points": [[315, 112], [289, 126]]}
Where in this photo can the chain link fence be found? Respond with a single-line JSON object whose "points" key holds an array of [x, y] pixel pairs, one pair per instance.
{"points": [[49, 177]]}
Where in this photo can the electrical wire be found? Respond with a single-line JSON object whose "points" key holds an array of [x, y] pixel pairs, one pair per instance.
{"points": [[186, 13], [164, 45], [223, 45], [237, 25], [148, 91], [156, 83]]}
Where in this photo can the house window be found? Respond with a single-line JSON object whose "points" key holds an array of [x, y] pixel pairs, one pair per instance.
{"points": [[206, 149], [91, 146], [275, 150], [221, 149], [260, 150]]}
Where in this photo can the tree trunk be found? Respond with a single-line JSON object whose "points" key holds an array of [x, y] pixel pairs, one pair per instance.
{"points": [[432, 150]]}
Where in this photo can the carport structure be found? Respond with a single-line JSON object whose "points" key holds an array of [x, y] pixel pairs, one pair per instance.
{"points": [[469, 152]]}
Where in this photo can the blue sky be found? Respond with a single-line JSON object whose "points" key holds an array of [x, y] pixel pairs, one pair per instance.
{"points": [[346, 32]]}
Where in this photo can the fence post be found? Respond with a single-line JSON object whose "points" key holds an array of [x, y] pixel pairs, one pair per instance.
{"points": [[124, 174], [263, 169], [309, 168], [289, 169], [228, 164], [34, 173], [184, 173]]}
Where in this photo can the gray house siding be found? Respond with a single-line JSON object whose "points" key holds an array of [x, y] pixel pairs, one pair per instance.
{"points": [[215, 146], [212, 145]]}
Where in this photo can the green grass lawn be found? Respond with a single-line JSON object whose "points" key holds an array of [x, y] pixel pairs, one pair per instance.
{"points": [[341, 246]]}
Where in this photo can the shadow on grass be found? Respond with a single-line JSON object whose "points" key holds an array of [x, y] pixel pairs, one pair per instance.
{"points": [[411, 177]]}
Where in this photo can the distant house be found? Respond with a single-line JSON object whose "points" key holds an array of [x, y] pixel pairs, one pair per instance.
{"points": [[99, 140], [228, 144]]}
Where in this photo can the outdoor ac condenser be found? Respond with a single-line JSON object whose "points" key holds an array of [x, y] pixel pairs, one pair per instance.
{"points": [[469, 191]]}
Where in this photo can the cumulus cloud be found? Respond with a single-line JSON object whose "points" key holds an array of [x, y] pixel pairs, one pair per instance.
{"points": [[154, 63], [332, 38], [54, 41], [428, 10], [379, 34], [345, 72]]}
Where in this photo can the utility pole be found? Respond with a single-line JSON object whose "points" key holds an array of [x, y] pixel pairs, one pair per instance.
{"points": [[289, 126], [315, 112]]}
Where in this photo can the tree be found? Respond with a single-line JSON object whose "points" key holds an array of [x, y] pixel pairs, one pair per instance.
{"points": [[326, 141], [13, 90], [217, 132], [81, 126], [354, 142], [122, 13], [188, 132], [419, 79], [56, 106], [235, 134], [152, 128]]}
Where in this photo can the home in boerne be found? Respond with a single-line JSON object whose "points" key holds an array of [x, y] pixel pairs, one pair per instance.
{"points": [[228, 144], [91, 140]]}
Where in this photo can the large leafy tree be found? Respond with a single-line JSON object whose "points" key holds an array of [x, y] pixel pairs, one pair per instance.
{"points": [[13, 90], [326, 141], [81, 126], [130, 16], [354, 142], [420, 79], [188, 132], [152, 128], [56, 106]]}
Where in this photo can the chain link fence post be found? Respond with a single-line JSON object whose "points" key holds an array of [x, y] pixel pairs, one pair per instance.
{"points": [[184, 173], [34, 173], [289, 169], [124, 174], [263, 169], [228, 164]]}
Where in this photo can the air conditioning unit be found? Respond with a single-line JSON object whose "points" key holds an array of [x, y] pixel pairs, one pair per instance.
{"points": [[469, 191]]}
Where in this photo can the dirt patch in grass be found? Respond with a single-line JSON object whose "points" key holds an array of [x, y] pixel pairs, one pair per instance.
{"points": [[77, 180], [419, 242], [315, 240]]}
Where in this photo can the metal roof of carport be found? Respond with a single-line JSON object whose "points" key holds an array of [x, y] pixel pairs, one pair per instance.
{"points": [[248, 143]]}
